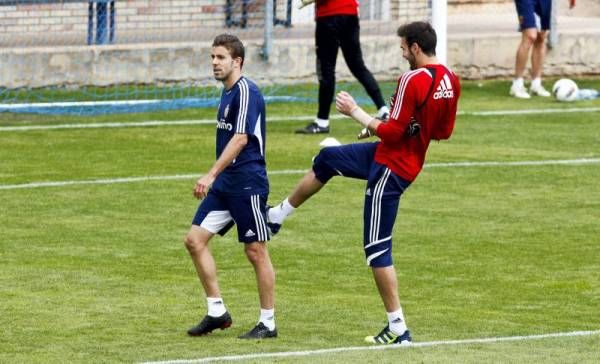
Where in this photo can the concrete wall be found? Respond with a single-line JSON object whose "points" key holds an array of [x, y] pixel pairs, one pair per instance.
{"points": [[290, 63], [478, 47]]}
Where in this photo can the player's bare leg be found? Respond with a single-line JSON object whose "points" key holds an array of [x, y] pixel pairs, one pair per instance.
{"points": [[538, 53], [387, 284], [528, 37], [395, 331], [196, 242], [308, 186], [258, 255]]}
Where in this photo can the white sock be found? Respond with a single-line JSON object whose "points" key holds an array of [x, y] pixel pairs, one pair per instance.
{"points": [[216, 307], [323, 123], [396, 322], [518, 82], [382, 111], [278, 213], [267, 317], [536, 82]]}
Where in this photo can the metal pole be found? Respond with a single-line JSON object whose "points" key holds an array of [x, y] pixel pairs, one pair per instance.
{"points": [[113, 25], [90, 35], [439, 21], [101, 23], [553, 36], [268, 45]]}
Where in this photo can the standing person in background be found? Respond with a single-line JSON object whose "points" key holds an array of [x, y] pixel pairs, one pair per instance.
{"points": [[534, 23], [423, 109], [337, 26], [234, 191]]}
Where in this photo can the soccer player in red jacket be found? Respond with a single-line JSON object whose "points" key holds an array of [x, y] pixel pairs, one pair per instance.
{"points": [[423, 108]]}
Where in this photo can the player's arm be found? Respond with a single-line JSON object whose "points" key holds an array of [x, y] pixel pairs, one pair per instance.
{"points": [[345, 104], [231, 151], [403, 109]]}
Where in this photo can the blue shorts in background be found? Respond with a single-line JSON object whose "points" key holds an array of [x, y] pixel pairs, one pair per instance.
{"points": [[527, 11]]}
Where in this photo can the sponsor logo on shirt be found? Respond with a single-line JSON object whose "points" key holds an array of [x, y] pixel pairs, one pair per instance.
{"points": [[444, 89], [223, 125]]}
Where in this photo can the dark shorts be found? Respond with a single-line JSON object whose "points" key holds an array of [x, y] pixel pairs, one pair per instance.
{"points": [[382, 195], [527, 11], [218, 213]]}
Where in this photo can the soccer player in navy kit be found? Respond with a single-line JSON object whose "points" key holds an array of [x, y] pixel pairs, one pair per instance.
{"points": [[423, 108], [234, 192]]}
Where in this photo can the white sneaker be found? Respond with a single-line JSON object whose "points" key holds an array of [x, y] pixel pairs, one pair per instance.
{"points": [[539, 90], [519, 91]]}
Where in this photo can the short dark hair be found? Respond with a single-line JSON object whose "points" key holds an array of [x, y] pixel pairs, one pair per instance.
{"points": [[232, 43], [419, 32]]}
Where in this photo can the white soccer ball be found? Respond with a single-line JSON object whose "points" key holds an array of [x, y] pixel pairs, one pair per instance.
{"points": [[565, 90]]}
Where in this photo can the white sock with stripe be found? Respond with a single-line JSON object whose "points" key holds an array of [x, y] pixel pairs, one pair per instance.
{"points": [[216, 307], [396, 322], [267, 317], [323, 123], [278, 213]]}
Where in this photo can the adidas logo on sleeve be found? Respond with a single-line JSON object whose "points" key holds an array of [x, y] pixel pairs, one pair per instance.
{"points": [[444, 89]]}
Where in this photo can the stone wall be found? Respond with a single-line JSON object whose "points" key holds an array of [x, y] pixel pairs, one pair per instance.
{"points": [[72, 16], [478, 47], [59, 17], [290, 63]]}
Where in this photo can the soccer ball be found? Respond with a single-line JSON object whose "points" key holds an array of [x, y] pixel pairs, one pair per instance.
{"points": [[565, 90]]}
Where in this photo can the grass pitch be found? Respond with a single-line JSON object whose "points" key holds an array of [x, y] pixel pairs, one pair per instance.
{"points": [[98, 272]]}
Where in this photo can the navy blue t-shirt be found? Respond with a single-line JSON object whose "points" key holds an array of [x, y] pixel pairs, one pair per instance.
{"points": [[242, 111]]}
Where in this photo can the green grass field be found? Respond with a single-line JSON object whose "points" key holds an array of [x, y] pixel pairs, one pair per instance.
{"points": [[98, 272]]}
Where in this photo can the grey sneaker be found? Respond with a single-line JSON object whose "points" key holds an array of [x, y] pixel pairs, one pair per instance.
{"points": [[313, 128], [259, 331]]}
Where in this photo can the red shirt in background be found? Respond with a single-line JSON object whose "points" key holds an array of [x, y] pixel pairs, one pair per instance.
{"points": [[336, 7]]}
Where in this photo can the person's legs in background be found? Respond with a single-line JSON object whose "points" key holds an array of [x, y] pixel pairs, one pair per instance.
{"points": [[351, 49], [327, 44]]}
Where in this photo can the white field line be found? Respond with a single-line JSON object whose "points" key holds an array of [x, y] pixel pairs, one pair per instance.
{"points": [[294, 171], [150, 123], [288, 354], [123, 180], [530, 111], [79, 103], [143, 123]]}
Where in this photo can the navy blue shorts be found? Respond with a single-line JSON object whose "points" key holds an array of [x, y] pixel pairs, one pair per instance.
{"points": [[527, 10], [218, 213], [382, 195]]}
